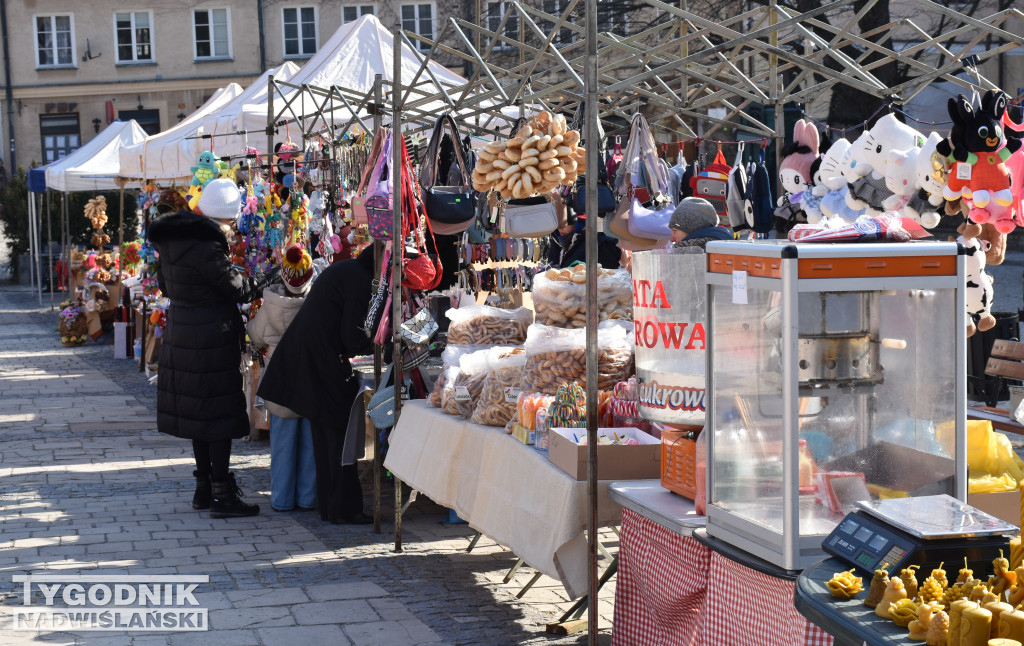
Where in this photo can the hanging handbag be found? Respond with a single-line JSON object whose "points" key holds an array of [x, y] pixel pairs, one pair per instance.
{"points": [[381, 408], [618, 226], [359, 216], [605, 197], [650, 223], [379, 212], [421, 266], [712, 184], [642, 174], [380, 302], [531, 217], [451, 209], [420, 329]]}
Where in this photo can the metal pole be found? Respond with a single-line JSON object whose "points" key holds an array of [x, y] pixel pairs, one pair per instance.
{"points": [[120, 181], [591, 114], [780, 116], [38, 224], [49, 247], [31, 242], [270, 125], [65, 250], [397, 246], [378, 462]]}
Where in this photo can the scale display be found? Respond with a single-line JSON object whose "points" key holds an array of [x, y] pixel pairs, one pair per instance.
{"points": [[894, 534]]}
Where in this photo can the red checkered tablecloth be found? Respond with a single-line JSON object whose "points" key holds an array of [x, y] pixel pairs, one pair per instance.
{"points": [[673, 591]]}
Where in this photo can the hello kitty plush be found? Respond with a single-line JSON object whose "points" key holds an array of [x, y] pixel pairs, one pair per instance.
{"points": [[832, 186], [979, 282], [795, 172], [932, 170], [981, 148], [901, 179], [888, 133]]}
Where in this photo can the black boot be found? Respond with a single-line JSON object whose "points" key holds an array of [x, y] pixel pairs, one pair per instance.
{"points": [[226, 501], [203, 495]]}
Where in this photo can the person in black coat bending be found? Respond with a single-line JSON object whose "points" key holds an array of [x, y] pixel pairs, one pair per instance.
{"points": [[312, 376], [199, 385], [569, 244]]}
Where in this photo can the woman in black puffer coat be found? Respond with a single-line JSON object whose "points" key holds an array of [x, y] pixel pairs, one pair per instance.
{"points": [[200, 395]]}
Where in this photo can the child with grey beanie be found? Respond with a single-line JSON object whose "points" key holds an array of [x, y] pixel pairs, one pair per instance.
{"points": [[694, 222]]}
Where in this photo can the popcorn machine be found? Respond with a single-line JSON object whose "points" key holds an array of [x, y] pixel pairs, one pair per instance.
{"points": [[836, 372]]}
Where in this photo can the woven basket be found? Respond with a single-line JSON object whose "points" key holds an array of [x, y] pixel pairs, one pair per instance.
{"points": [[678, 463], [76, 328]]}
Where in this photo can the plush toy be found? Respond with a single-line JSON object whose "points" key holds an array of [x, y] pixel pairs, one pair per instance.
{"points": [[832, 185], [980, 147], [908, 197], [795, 172], [979, 282], [811, 202], [757, 203], [205, 170], [871, 150], [932, 170]]}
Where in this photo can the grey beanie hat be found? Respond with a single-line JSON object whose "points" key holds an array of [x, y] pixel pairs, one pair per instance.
{"points": [[693, 214]]}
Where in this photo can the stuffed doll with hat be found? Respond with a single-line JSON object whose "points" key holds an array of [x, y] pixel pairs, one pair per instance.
{"points": [[296, 270], [980, 148], [796, 172]]}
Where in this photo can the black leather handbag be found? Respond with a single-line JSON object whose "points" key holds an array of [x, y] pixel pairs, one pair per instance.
{"points": [[451, 208]]}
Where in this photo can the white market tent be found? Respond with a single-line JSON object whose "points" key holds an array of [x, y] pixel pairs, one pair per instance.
{"points": [[164, 154], [95, 166]]}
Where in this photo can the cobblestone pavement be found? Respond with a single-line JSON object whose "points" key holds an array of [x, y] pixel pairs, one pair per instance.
{"points": [[87, 485]]}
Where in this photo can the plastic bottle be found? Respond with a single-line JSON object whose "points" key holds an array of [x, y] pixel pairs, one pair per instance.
{"points": [[137, 349]]}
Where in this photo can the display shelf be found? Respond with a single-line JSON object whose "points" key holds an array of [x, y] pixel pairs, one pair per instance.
{"points": [[658, 505], [850, 622]]}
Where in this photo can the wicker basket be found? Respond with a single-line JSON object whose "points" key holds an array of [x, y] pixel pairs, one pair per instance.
{"points": [[77, 329], [679, 463]]}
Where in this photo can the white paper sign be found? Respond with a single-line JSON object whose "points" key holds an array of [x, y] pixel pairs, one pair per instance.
{"points": [[739, 287], [512, 394], [963, 170], [462, 394]]}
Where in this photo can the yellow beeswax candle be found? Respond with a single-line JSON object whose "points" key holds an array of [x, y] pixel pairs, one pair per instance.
{"points": [[996, 608], [956, 610], [974, 627], [1011, 624], [1000, 641]]}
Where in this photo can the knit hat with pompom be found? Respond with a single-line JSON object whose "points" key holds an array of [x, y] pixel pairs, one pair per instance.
{"points": [[297, 270]]}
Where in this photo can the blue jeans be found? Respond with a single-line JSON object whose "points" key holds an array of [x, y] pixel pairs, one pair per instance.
{"points": [[292, 470]]}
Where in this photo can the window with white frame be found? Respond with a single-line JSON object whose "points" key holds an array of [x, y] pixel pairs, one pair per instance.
{"points": [[55, 41], [133, 35], [212, 30], [556, 8], [495, 12], [60, 135], [419, 19], [611, 16], [351, 13], [299, 25]]}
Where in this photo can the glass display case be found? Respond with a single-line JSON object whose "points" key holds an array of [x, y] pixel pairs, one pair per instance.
{"points": [[829, 364]]}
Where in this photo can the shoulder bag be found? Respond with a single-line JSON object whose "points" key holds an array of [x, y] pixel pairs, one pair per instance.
{"points": [[359, 201], [451, 209], [531, 217], [380, 195]]}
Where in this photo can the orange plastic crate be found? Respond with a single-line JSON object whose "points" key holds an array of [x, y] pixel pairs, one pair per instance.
{"points": [[679, 463]]}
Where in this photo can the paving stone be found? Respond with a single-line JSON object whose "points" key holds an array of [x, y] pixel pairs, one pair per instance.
{"points": [[304, 636], [251, 617], [334, 612], [334, 591]]}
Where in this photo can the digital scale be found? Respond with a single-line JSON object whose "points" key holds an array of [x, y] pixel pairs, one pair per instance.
{"points": [[925, 530]]}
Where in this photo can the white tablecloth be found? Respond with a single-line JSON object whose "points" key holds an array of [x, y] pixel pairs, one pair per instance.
{"points": [[504, 489]]}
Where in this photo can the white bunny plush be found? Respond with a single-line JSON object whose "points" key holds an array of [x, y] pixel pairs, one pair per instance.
{"points": [[901, 179]]}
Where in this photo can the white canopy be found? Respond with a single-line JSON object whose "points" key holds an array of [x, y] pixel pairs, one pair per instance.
{"points": [[350, 59], [163, 155], [94, 166]]}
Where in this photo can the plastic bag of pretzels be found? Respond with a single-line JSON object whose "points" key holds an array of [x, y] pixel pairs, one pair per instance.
{"points": [[450, 359], [560, 296], [497, 402], [485, 325], [556, 355]]}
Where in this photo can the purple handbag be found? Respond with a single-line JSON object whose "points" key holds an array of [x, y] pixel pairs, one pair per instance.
{"points": [[379, 202]]}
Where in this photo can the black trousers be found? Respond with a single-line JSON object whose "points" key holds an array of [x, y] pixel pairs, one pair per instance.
{"points": [[338, 489], [212, 458]]}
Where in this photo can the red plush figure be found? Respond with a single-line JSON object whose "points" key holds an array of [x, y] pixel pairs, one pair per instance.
{"points": [[981, 148]]}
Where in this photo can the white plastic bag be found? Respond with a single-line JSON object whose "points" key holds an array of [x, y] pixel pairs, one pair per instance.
{"points": [[555, 356], [482, 325]]}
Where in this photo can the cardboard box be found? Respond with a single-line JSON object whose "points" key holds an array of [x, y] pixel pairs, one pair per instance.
{"points": [[614, 462], [1004, 505]]}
